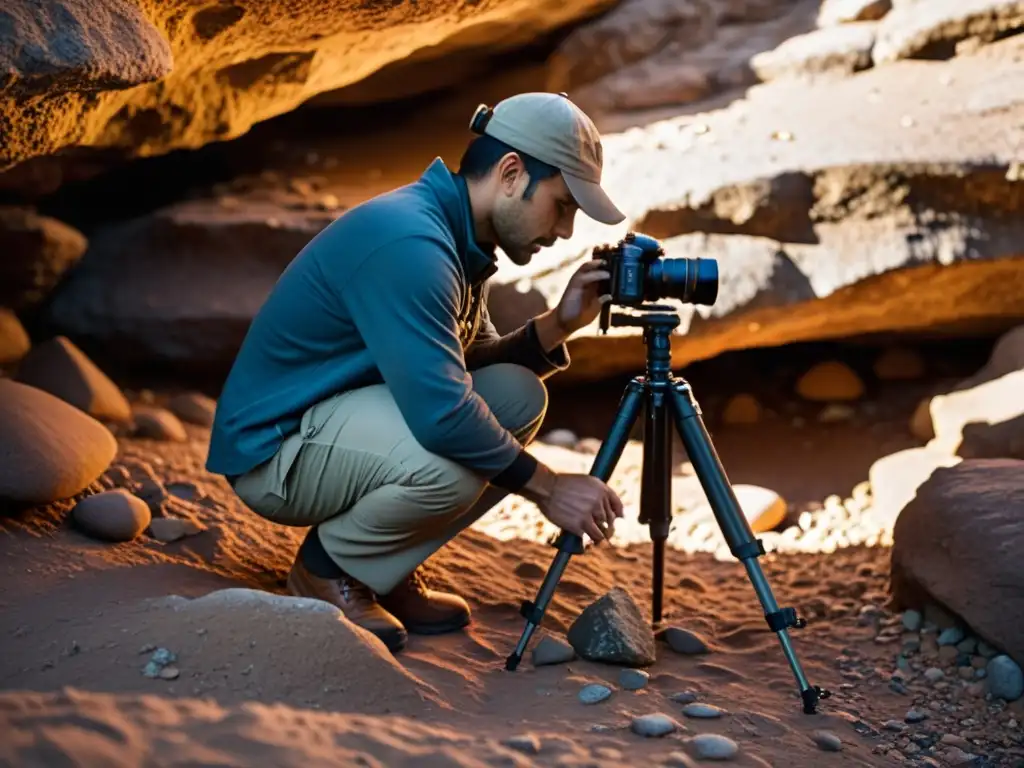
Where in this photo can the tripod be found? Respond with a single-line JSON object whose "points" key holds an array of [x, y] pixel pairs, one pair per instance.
{"points": [[666, 395]]}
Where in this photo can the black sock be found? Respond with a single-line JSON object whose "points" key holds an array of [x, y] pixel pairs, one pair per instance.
{"points": [[316, 559]]}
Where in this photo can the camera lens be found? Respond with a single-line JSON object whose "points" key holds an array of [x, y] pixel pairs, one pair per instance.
{"points": [[691, 281]]}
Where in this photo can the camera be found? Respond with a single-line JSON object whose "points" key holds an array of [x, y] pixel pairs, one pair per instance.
{"points": [[641, 273]]}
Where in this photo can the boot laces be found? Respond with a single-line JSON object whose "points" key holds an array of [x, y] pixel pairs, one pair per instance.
{"points": [[351, 588]]}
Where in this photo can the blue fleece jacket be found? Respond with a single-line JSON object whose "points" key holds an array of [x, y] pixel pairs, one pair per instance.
{"points": [[392, 291]]}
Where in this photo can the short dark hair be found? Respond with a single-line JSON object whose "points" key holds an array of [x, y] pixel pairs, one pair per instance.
{"points": [[484, 152]]}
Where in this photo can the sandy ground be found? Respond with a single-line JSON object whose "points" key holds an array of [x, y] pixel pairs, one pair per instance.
{"points": [[259, 681]]}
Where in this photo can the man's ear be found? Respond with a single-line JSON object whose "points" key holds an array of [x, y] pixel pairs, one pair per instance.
{"points": [[510, 170]]}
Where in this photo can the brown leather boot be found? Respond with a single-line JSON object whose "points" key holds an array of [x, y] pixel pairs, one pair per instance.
{"points": [[425, 611], [354, 599]]}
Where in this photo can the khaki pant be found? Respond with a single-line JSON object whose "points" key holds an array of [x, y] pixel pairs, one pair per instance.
{"points": [[382, 504]]}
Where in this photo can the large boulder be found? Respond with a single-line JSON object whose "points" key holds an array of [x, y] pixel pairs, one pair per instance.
{"points": [[958, 543], [179, 287], [147, 78]]}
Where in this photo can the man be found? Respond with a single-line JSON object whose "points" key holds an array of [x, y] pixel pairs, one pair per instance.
{"points": [[372, 399]]}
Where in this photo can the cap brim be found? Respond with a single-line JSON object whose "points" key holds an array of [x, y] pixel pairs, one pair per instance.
{"points": [[593, 200]]}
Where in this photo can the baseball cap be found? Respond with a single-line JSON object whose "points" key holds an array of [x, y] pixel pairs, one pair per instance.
{"points": [[552, 129]]}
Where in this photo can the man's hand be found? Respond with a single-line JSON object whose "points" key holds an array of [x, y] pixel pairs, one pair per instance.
{"points": [[579, 504], [581, 301]]}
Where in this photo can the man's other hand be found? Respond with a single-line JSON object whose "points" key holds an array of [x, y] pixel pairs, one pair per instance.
{"points": [[583, 504], [581, 301]]}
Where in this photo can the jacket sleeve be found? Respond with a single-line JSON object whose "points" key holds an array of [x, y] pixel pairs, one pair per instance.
{"points": [[521, 346], [403, 300]]}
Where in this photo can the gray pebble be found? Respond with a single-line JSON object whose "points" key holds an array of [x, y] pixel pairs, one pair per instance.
{"points": [[679, 760], [704, 711], [654, 725], [634, 679], [951, 636], [827, 741], [894, 725], [594, 693], [686, 697], [712, 746], [933, 674], [968, 645], [526, 742], [915, 716], [912, 620], [685, 641], [1005, 678], [551, 650], [986, 650]]}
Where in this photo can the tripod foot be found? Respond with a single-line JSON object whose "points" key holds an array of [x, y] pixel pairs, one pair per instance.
{"points": [[512, 661], [811, 696]]}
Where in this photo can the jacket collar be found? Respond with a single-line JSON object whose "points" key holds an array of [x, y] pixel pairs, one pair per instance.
{"points": [[479, 262]]}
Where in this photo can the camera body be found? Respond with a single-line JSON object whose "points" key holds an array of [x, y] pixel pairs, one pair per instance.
{"points": [[639, 273]]}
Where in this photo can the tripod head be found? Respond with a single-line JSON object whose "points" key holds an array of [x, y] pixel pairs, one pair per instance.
{"points": [[662, 318]]}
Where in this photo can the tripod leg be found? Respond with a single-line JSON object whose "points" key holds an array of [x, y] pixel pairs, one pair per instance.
{"points": [[569, 544], [736, 529], [656, 490]]}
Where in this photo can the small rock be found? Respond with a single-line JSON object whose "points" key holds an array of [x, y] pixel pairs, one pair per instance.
{"points": [[915, 716], [933, 674], [830, 381], [169, 673], [193, 408], [613, 630], [563, 438], [702, 711], [114, 515], [654, 725], [527, 743], [912, 620], [684, 641], [552, 650], [633, 679], [827, 741], [170, 529], [686, 697], [951, 636], [741, 409], [594, 693], [713, 746], [833, 413], [986, 650], [679, 760], [1005, 678], [158, 424]]}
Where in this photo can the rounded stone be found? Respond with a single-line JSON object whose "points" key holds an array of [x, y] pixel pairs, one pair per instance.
{"points": [[594, 693], [713, 746], [654, 725], [114, 515], [702, 711], [52, 450]]}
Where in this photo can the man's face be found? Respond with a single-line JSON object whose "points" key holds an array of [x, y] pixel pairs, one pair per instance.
{"points": [[523, 227]]}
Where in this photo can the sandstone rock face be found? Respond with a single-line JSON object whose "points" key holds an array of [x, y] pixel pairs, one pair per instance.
{"points": [[959, 543], [146, 77], [648, 53], [832, 51], [51, 450], [935, 28], [857, 206]]}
